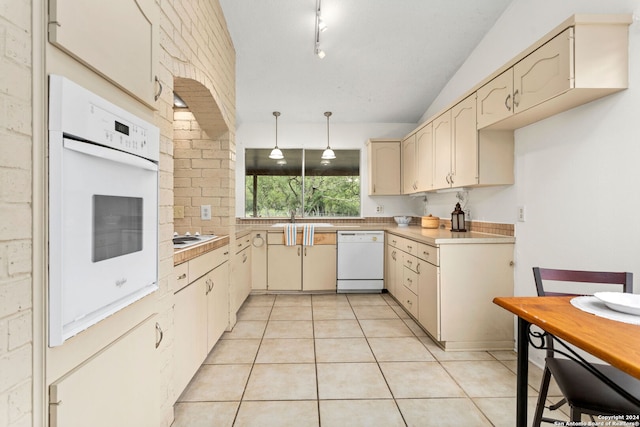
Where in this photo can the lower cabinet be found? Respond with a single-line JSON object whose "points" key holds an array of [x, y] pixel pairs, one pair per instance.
{"points": [[130, 365], [241, 274], [201, 314], [449, 289], [301, 268]]}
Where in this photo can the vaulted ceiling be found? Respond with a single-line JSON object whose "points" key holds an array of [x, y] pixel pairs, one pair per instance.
{"points": [[386, 60]]}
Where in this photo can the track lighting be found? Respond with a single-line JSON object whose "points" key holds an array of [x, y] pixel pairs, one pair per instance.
{"points": [[321, 26]]}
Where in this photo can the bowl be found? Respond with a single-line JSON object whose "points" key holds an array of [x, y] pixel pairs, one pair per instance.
{"points": [[402, 221]]}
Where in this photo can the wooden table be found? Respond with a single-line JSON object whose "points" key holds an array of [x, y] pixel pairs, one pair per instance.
{"points": [[614, 342]]}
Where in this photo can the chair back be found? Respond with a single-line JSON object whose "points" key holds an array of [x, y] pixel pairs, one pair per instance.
{"points": [[624, 279]]}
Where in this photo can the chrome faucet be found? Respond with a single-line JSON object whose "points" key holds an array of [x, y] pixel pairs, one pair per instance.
{"points": [[293, 217]]}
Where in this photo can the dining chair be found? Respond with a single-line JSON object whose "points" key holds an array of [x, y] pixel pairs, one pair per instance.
{"points": [[583, 391]]}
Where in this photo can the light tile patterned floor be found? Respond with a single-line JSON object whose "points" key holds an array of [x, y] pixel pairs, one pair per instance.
{"points": [[345, 360]]}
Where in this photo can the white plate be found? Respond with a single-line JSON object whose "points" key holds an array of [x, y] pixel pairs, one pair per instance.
{"points": [[620, 301]]}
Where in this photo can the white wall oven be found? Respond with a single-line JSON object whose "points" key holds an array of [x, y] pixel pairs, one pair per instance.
{"points": [[103, 209]]}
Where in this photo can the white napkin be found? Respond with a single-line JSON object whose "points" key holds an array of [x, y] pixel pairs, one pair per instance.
{"points": [[594, 306]]}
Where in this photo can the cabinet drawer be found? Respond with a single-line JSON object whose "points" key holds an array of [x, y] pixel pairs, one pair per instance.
{"points": [[409, 300], [408, 246], [318, 238], [410, 280], [428, 253], [242, 243], [182, 275], [410, 262], [201, 265]]}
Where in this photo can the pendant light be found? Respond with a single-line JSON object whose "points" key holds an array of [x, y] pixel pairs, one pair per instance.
{"points": [[328, 153], [276, 153]]}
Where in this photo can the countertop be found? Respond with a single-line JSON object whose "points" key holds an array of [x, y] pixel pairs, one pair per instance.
{"points": [[429, 236]]}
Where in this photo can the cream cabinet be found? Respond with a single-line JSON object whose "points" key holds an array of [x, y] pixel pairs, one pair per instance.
{"points": [[449, 288], [118, 39], [200, 312], [409, 178], [259, 260], [384, 167], [442, 151], [585, 60], [241, 273], [118, 386], [301, 268], [455, 146], [424, 158]]}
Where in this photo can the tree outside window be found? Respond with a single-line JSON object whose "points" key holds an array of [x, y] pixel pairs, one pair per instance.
{"points": [[303, 183]]}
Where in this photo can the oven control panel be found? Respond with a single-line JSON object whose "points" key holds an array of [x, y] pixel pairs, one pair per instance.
{"points": [[120, 133]]}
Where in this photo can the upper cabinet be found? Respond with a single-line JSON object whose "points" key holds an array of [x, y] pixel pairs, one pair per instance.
{"points": [[384, 167], [117, 39], [424, 158], [409, 182], [584, 59]]}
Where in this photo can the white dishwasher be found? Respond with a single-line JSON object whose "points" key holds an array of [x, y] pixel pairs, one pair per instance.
{"points": [[360, 261]]}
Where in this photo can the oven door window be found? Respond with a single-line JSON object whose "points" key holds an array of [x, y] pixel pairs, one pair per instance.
{"points": [[117, 226]]}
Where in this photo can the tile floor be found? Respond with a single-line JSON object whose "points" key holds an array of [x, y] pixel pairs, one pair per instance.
{"points": [[345, 360]]}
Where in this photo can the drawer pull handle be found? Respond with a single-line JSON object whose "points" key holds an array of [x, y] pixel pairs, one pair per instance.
{"points": [[409, 247], [182, 276], [161, 333], [157, 95], [516, 101], [507, 104]]}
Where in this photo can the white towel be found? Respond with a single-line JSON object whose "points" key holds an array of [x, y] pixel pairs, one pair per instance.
{"points": [[290, 234], [307, 234]]}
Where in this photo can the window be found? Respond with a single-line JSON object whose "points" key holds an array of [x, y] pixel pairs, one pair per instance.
{"points": [[302, 183]]}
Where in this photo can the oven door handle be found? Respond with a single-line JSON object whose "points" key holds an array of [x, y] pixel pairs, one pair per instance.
{"points": [[110, 154]]}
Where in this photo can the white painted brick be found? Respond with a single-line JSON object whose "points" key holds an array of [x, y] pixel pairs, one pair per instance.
{"points": [[15, 367], [4, 409], [20, 403], [15, 186], [18, 12], [15, 296], [18, 46], [15, 80], [20, 330], [19, 258], [4, 337], [16, 221], [18, 116], [15, 150]]}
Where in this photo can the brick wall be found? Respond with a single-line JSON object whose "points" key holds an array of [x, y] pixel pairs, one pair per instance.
{"points": [[16, 338]]}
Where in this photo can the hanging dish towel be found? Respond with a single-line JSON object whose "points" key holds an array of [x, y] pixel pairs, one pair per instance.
{"points": [[290, 234], [307, 234]]}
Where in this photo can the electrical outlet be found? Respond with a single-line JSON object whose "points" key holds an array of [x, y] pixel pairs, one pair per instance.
{"points": [[205, 212], [178, 212], [379, 209], [521, 214]]}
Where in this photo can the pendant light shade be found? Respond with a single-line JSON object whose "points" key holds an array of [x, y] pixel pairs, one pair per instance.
{"points": [[276, 153], [328, 153]]}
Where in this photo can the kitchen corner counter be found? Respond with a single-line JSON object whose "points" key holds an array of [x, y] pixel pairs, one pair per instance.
{"points": [[442, 236], [186, 254]]}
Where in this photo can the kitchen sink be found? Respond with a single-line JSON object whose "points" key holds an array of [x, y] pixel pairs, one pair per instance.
{"points": [[302, 224]]}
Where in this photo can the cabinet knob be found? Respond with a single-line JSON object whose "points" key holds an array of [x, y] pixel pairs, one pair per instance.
{"points": [[511, 263]]}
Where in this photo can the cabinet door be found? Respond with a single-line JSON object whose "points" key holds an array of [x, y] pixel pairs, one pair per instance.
{"points": [[117, 387], [217, 304], [117, 39], [259, 260], [241, 280], [384, 168], [428, 299], [409, 165], [190, 332], [390, 272], [319, 268], [284, 268], [495, 99], [442, 151], [545, 73], [465, 143], [424, 158]]}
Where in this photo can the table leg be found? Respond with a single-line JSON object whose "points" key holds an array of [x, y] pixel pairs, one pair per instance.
{"points": [[522, 373]]}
